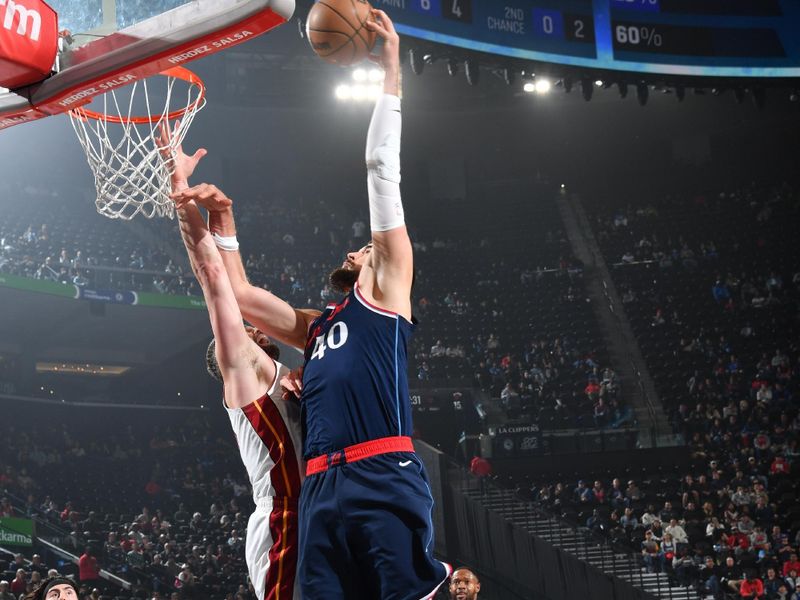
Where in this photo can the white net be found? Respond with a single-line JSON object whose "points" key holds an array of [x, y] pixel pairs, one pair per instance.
{"points": [[131, 171]]}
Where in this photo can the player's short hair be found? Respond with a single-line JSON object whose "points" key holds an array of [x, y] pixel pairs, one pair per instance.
{"points": [[212, 366]]}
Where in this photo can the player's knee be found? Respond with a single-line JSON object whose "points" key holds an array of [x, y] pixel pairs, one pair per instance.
{"points": [[384, 160]]}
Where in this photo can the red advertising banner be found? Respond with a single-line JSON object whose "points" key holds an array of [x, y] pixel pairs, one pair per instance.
{"points": [[28, 42]]}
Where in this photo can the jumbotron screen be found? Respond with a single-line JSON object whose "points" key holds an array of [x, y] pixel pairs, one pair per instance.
{"points": [[726, 38]]}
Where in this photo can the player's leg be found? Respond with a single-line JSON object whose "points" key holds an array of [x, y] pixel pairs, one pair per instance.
{"points": [[271, 549], [387, 506], [326, 567]]}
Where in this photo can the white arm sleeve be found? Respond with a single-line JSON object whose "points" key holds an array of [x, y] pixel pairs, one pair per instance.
{"points": [[383, 165]]}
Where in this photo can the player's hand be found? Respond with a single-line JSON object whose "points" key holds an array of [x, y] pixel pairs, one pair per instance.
{"points": [[184, 165], [292, 384], [389, 57], [206, 195]]}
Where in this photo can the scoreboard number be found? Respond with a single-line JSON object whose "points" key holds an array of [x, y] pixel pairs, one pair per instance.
{"points": [[548, 23], [580, 28], [457, 10], [427, 6]]}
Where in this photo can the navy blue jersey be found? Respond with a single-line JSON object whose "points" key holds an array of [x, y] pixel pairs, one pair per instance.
{"points": [[355, 384]]}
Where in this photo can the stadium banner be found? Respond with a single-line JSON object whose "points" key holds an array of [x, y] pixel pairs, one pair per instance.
{"points": [[54, 288], [107, 296], [16, 532], [517, 440], [37, 285]]}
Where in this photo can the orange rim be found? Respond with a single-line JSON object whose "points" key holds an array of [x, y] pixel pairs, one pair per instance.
{"points": [[178, 73]]}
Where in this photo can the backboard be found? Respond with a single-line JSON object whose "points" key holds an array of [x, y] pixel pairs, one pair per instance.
{"points": [[117, 42]]}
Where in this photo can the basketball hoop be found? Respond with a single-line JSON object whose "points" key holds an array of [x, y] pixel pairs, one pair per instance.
{"points": [[131, 171]]}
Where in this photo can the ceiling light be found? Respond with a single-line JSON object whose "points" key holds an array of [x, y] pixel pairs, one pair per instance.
{"points": [[343, 92]]}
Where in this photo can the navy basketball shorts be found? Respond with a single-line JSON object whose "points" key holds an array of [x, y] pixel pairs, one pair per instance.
{"points": [[365, 526]]}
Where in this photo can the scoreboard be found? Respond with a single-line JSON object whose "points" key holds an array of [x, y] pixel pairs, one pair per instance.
{"points": [[730, 38]]}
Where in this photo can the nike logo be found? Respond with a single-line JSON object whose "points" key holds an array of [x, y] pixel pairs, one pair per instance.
{"points": [[404, 463]]}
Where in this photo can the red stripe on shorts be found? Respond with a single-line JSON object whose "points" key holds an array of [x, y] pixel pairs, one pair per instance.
{"points": [[283, 553]]}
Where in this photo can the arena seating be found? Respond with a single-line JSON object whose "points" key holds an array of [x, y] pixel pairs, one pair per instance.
{"points": [[47, 237], [710, 285], [521, 327], [174, 487]]}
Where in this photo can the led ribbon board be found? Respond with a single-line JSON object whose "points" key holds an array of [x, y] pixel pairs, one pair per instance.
{"points": [[710, 38]]}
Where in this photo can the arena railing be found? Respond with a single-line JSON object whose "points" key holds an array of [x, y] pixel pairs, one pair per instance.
{"points": [[617, 559]]}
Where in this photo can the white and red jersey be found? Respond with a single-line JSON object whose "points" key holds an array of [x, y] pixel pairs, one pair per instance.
{"points": [[268, 431]]}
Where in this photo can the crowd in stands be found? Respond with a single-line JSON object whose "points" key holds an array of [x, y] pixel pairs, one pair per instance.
{"points": [[522, 331], [186, 540], [733, 516], [47, 239], [712, 290]]}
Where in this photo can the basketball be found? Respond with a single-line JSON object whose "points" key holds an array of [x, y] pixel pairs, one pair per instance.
{"points": [[337, 32]]}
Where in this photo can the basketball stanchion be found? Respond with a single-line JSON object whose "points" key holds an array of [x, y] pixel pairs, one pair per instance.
{"points": [[131, 171]]}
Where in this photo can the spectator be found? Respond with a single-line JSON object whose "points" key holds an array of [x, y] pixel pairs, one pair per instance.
{"points": [[651, 553], [5, 594], [55, 588], [629, 520], [669, 548], [88, 569], [464, 585], [721, 293], [793, 564], [771, 583], [37, 565], [657, 530], [752, 587], [481, 468], [677, 532], [19, 583], [181, 515], [710, 575], [684, 567], [633, 493], [731, 575], [714, 530], [616, 495]]}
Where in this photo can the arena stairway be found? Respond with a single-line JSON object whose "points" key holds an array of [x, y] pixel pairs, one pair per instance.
{"points": [[580, 543]]}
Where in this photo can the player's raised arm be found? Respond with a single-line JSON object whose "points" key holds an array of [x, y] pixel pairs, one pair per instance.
{"points": [[245, 368], [261, 308], [391, 255]]}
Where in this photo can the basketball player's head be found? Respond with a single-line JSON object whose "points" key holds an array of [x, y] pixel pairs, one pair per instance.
{"points": [[55, 588], [343, 278], [464, 585], [258, 336]]}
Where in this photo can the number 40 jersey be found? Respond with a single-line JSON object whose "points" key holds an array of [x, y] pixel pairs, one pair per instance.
{"points": [[355, 382]]}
